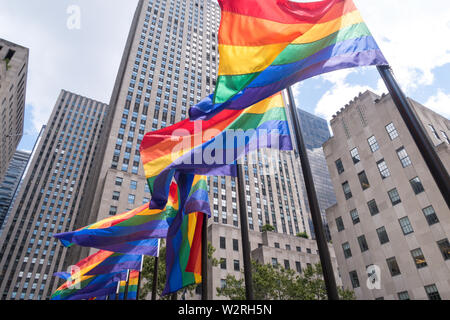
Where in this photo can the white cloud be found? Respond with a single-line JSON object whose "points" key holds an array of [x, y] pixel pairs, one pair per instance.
{"points": [[440, 103]]}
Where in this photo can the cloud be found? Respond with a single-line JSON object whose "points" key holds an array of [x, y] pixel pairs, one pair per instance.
{"points": [[440, 103]]}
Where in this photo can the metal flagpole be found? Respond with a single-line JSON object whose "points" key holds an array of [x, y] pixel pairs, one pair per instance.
{"points": [[244, 234], [117, 290], [155, 273], [139, 279], [434, 163], [316, 216], [205, 257], [125, 294]]}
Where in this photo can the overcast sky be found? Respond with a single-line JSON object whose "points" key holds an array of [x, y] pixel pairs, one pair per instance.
{"points": [[413, 34]]}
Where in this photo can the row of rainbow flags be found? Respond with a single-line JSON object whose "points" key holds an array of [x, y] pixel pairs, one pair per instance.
{"points": [[264, 47]]}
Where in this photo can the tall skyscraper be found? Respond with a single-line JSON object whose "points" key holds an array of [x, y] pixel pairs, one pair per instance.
{"points": [[316, 133], [13, 83], [391, 225], [11, 181], [170, 63], [49, 199]]}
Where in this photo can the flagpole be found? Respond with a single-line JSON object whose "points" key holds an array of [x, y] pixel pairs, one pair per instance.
{"points": [[426, 148], [117, 290], [322, 244], [139, 278], [205, 257], [155, 273], [249, 295], [125, 294]]}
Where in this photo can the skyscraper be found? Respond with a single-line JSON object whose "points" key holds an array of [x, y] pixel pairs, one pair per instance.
{"points": [[49, 199], [11, 181], [13, 83], [391, 225], [315, 132], [170, 63]]}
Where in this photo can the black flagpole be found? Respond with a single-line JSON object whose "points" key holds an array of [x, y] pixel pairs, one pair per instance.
{"points": [[244, 235], [322, 244], [417, 132], [155, 278], [205, 257]]}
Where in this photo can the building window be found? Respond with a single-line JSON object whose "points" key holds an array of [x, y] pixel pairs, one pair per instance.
{"points": [[298, 266], [339, 166], [119, 181], [382, 235], [131, 198], [236, 265], [339, 224], [403, 295], [373, 144], [223, 263], [277, 245], [116, 195], [355, 216], [393, 266], [394, 196], [286, 264], [363, 180], [419, 258], [406, 226], [355, 155], [354, 279], [384, 170], [235, 245], [133, 185], [373, 208], [112, 211], [444, 246], [392, 131], [222, 243], [432, 292], [404, 158], [363, 243], [434, 131], [347, 250], [275, 262], [430, 215], [416, 185], [347, 191]]}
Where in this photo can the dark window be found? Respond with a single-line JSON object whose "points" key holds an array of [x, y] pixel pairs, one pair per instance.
{"points": [[416, 185], [119, 181], [432, 292], [394, 196], [222, 243], [382, 235], [112, 211], [235, 245], [403, 295], [419, 258], [116, 195], [339, 224], [298, 266], [444, 246], [430, 215], [339, 166], [347, 250], [236, 265], [354, 279], [277, 245], [355, 216], [373, 208], [363, 243], [363, 180], [406, 226], [223, 263], [286, 264], [355, 155], [347, 191], [393, 266]]}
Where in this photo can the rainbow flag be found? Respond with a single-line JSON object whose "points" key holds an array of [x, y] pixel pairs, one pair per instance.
{"points": [[117, 262], [212, 146], [133, 282], [122, 285], [266, 46]]}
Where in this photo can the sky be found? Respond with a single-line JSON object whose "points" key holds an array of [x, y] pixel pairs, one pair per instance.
{"points": [[413, 35]]}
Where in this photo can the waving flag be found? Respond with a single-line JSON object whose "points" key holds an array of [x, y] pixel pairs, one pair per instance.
{"points": [[117, 262], [211, 147], [133, 283], [266, 46]]}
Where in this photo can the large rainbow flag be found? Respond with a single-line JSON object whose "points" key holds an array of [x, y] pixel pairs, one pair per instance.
{"points": [[266, 46], [212, 146], [117, 262]]}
